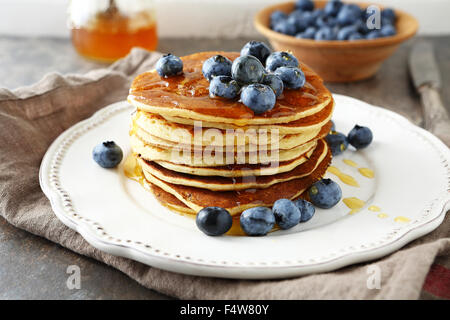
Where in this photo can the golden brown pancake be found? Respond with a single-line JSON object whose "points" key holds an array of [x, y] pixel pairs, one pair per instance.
{"points": [[217, 183], [237, 201], [187, 96], [239, 170]]}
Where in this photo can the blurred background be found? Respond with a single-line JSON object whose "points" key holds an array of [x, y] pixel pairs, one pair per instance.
{"points": [[193, 18]]}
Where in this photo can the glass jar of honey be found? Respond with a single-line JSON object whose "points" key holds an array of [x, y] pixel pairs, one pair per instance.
{"points": [[106, 30]]}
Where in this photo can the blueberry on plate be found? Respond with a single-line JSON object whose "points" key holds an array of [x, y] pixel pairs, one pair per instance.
{"points": [[286, 213], [332, 7], [356, 36], [325, 193], [285, 27], [337, 142], [247, 69], [258, 97], [346, 32], [216, 66], [107, 154], [309, 33], [214, 221], [306, 208], [297, 19], [360, 137], [277, 16], [169, 65], [280, 59], [325, 34], [349, 14], [257, 221], [258, 49], [304, 5], [224, 86], [274, 82], [388, 31], [292, 77], [374, 34]]}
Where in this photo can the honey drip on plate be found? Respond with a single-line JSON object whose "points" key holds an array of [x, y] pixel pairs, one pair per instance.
{"points": [[366, 172], [382, 215], [354, 203], [402, 219], [350, 163], [345, 178], [374, 209]]}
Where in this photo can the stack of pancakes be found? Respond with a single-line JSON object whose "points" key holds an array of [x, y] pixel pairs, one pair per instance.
{"points": [[178, 129]]}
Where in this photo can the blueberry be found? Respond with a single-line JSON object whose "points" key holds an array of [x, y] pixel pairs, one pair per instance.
{"points": [[277, 16], [338, 142], [258, 97], [214, 221], [362, 26], [286, 213], [325, 193], [389, 14], [360, 137], [309, 18], [332, 7], [285, 27], [297, 19], [309, 33], [169, 65], [293, 78], [304, 5], [247, 69], [258, 49], [325, 34], [317, 13], [345, 32], [216, 66], [280, 59], [388, 31], [326, 21], [225, 87], [355, 36], [107, 154], [306, 208], [257, 221], [274, 82], [372, 35], [349, 14]]}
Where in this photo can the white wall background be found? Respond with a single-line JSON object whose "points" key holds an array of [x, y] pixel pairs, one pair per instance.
{"points": [[193, 18]]}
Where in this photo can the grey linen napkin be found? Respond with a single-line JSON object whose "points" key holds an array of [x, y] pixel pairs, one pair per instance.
{"points": [[32, 117]]}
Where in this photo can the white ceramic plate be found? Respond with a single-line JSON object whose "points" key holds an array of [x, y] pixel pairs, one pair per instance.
{"points": [[115, 214]]}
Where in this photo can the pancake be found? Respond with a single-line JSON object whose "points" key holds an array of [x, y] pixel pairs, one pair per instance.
{"points": [[156, 130], [237, 201], [217, 183], [239, 170], [211, 158], [299, 126], [187, 96]]}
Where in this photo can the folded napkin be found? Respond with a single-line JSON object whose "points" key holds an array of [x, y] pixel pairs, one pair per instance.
{"points": [[32, 117]]}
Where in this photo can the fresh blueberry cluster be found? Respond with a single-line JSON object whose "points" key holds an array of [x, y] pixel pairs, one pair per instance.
{"points": [[336, 21], [359, 137], [257, 76], [257, 221], [107, 154]]}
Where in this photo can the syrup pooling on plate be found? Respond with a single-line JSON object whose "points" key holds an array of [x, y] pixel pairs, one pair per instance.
{"points": [[345, 178], [190, 91]]}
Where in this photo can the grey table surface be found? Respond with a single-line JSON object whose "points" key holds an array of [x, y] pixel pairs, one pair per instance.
{"points": [[34, 268]]}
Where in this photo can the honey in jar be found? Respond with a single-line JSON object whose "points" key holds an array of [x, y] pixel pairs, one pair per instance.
{"points": [[106, 30]]}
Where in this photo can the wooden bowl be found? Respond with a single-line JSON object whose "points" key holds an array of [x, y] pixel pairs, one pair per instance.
{"points": [[337, 61]]}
